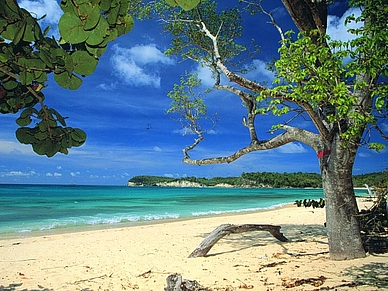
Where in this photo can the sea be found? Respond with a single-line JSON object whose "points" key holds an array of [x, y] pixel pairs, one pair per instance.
{"points": [[33, 210]]}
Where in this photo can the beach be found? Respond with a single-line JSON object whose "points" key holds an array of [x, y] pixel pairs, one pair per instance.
{"points": [[141, 257]]}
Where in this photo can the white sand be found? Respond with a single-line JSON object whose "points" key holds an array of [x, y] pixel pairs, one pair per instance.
{"points": [[141, 257]]}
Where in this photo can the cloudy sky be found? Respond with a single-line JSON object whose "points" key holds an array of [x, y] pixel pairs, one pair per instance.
{"points": [[122, 107]]}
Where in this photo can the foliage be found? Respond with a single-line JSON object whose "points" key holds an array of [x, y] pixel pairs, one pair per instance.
{"points": [[188, 103], [310, 203], [27, 56], [375, 219], [190, 41], [372, 179], [296, 180], [264, 179]]}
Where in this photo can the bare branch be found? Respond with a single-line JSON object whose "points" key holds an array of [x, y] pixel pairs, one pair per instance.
{"points": [[250, 104], [291, 134], [383, 135]]}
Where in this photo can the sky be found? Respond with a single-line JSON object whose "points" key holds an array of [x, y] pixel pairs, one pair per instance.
{"points": [[122, 108]]}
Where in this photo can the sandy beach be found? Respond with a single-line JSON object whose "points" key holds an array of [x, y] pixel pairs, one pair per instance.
{"points": [[141, 257]]}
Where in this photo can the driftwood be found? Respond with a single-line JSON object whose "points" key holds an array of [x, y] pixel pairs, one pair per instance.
{"points": [[226, 229]]}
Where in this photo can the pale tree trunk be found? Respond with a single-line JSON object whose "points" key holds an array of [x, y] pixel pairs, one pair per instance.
{"points": [[342, 221]]}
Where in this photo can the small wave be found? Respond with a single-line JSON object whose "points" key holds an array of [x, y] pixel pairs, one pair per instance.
{"points": [[51, 224], [161, 216], [218, 212]]}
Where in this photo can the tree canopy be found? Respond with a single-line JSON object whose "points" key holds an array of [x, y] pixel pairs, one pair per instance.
{"points": [[28, 56]]}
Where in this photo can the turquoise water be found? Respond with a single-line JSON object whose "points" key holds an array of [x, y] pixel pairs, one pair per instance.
{"points": [[34, 209]]}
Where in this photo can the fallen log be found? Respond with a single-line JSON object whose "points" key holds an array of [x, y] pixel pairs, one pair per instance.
{"points": [[227, 229]]}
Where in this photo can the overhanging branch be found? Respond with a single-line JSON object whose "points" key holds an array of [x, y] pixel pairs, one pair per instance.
{"points": [[291, 134]]}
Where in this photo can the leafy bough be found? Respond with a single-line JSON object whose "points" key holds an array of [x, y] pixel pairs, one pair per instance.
{"points": [[28, 56]]}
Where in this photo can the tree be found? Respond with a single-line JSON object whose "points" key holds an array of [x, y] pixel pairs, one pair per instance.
{"points": [[339, 86], [28, 56]]}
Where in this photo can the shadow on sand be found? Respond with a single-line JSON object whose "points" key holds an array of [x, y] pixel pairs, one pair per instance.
{"points": [[294, 234], [14, 287], [19, 286], [375, 274]]}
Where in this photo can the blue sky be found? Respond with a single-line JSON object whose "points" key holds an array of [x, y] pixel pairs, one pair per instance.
{"points": [[122, 107]]}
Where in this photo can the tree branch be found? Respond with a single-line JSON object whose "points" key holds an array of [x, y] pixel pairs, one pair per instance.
{"points": [[250, 104], [291, 134]]}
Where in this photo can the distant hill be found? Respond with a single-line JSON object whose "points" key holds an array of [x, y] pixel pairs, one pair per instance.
{"points": [[258, 179]]}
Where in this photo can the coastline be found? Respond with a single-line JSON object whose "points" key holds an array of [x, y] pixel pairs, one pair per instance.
{"points": [[141, 257], [127, 224]]}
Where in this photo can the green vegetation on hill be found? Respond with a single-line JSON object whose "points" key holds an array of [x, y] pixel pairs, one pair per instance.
{"points": [[265, 179]]}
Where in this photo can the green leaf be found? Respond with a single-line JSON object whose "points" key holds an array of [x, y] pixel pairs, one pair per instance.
{"points": [[65, 81], [105, 5], [98, 34], [41, 135], [23, 121], [113, 15], [78, 135], [10, 85], [71, 28], [92, 15], [14, 31], [188, 4], [24, 135], [62, 79], [84, 63], [75, 82], [171, 3]]}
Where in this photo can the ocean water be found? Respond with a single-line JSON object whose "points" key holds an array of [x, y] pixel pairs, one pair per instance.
{"points": [[40, 209]]}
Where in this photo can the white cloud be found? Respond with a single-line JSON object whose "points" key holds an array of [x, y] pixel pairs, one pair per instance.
{"points": [[53, 174], [14, 147], [205, 75], [336, 25], [138, 65], [157, 149], [260, 73], [50, 8], [39, 8], [17, 174], [183, 131], [107, 87], [292, 148], [74, 174]]}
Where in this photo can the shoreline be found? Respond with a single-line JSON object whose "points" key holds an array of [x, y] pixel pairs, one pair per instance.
{"points": [[141, 257], [127, 224]]}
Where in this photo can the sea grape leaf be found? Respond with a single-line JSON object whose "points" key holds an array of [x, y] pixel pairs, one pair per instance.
{"points": [[62, 79], [78, 135], [41, 135], [66, 80], [84, 63], [23, 121], [105, 5], [24, 136], [10, 85], [113, 15], [71, 28], [92, 15], [188, 4], [128, 23], [97, 35], [75, 82], [171, 3]]}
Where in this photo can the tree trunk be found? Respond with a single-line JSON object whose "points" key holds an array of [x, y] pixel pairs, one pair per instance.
{"points": [[342, 221]]}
